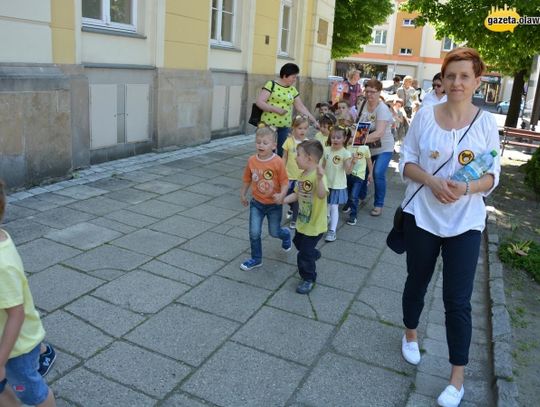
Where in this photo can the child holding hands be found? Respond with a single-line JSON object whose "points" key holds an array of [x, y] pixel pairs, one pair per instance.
{"points": [[310, 192], [337, 163], [266, 174], [361, 159], [300, 127], [21, 331]]}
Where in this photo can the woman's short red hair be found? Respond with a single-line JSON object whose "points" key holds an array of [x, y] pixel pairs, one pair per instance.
{"points": [[465, 54]]}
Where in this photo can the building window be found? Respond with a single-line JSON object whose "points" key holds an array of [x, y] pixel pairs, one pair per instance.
{"points": [[408, 22], [405, 51], [111, 14], [379, 37], [223, 22], [448, 44], [285, 28]]}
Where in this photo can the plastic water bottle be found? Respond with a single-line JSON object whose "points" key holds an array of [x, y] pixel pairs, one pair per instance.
{"points": [[476, 168]]}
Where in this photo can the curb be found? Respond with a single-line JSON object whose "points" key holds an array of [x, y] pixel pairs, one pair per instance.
{"points": [[506, 391]]}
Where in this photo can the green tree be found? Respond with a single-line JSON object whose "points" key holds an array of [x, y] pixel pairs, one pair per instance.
{"points": [[353, 24], [510, 53]]}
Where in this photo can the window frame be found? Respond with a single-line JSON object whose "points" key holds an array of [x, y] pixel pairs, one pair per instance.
{"points": [[452, 44], [219, 21], [105, 21], [287, 52], [408, 22], [383, 34], [405, 53]]}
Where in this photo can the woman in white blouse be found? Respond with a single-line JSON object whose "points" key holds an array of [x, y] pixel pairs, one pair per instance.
{"points": [[436, 95], [446, 216]]}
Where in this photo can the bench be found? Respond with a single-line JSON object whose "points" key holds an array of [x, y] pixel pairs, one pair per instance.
{"points": [[520, 138]]}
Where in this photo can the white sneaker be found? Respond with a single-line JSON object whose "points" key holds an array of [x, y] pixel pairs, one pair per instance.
{"points": [[450, 397], [410, 351], [330, 236]]}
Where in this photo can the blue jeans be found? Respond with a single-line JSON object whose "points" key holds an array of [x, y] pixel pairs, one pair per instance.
{"points": [[294, 205], [357, 191], [307, 255], [460, 257], [380, 165], [282, 134], [257, 212]]}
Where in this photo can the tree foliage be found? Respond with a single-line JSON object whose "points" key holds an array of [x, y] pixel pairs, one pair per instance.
{"points": [[353, 24], [463, 21]]}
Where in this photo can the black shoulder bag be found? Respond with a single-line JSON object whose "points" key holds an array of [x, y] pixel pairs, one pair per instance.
{"points": [[396, 238], [256, 111]]}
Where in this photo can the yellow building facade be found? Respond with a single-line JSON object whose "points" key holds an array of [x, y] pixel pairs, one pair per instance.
{"points": [[112, 79]]}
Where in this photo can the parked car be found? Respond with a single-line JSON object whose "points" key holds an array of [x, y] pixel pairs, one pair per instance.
{"points": [[502, 107]]}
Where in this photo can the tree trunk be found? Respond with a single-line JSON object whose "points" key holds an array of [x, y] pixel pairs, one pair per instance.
{"points": [[514, 109]]}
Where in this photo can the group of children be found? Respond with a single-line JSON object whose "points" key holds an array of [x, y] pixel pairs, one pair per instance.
{"points": [[314, 177]]}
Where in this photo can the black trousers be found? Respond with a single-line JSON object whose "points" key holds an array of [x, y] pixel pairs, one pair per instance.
{"points": [[307, 255], [460, 257]]}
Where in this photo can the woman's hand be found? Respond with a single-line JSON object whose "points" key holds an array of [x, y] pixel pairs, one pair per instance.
{"points": [[280, 111], [443, 189], [458, 188]]}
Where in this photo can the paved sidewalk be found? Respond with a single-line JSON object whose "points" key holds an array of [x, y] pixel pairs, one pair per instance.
{"points": [[135, 267]]}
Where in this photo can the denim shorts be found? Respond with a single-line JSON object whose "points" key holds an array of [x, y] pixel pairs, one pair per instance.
{"points": [[23, 377]]}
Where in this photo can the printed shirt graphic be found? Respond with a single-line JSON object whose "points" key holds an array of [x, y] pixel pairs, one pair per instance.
{"points": [[14, 290], [283, 97], [266, 177], [312, 209], [363, 153], [293, 172], [334, 169]]}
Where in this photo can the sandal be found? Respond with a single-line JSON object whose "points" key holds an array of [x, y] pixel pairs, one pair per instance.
{"points": [[376, 211]]}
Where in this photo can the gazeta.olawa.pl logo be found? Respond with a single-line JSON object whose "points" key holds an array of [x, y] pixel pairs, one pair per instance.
{"points": [[506, 19]]}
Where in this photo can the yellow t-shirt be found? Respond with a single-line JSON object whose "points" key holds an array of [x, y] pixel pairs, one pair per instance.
{"points": [[363, 153], [290, 144], [14, 290], [283, 97], [334, 169], [311, 209], [321, 138]]}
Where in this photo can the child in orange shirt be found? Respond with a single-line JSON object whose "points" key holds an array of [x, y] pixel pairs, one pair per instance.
{"points": [[267, 176]]}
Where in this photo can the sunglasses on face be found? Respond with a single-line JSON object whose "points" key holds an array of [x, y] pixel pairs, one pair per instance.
{"points": [[437, 85]]}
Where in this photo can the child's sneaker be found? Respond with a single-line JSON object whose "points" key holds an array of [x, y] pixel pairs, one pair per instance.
{"points": [[351, 221], [46, 360], [292, 225], [289, 214], [346, 208], [330, 236], [286, 243], [305, 287], [250, 264]]}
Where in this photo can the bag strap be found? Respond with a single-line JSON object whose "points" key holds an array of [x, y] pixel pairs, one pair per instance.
{"points": [[446, 162]]}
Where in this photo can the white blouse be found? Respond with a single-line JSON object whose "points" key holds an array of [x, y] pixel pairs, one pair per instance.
{"points": [[429, 146]]}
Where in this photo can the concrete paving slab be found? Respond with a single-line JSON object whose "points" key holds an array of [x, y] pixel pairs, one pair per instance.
{"points": [[83, 235], [339, 381], [53, 198], [351, 253], [110, 318], [140, 291], [229, 201], [241, 376], [163, 170], [130, 195], [387, 303], [209, 213], [106, 274], [183, 400], [329, 303], [226, 298], [182, 333], [388, 275], [58, 285], [209, 188], [62, 217], [14, 212], [73, 335], [81, 192], [215, 246], [107, 257], [174, 273], [270, 275], [129, 218], [25, 230], [30, 204], [184, 198], [285, 335], [379, 346], [287, 299], [192, 262], [156, 209], [158, 187], [97, 391], [374, 239], [112, 224], [64, 363], [340, 275], [122, 362], [42, 253], [111, 184], [139, 176], [99, 205], [148, 242], [182, 226], [182, 178]]}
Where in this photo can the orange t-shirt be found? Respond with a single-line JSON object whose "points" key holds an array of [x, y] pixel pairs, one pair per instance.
{"points": [[266, 177]]}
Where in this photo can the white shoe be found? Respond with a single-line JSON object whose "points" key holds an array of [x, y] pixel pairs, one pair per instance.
{"points": [[450, 397], [410, 351]]}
